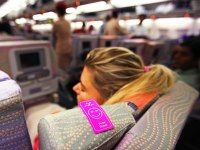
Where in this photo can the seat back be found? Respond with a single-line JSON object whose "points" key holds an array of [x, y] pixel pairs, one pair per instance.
{"points": [[70, 130], [160, 127], [108, 41], [13, 129]]}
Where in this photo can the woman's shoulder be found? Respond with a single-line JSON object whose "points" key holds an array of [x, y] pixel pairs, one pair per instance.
{"points": [[56, 23]]}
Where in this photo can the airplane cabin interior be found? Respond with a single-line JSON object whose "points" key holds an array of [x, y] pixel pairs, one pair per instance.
{"points": [[79, 74]]}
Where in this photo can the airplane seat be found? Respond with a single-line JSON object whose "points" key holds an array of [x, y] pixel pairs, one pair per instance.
{"points": [[153, 52], [158, 128], [13, 129], [196, 110], [135, 45], [84, 43], [109, 40], [150, 51], [189, 138], [165, 56]]}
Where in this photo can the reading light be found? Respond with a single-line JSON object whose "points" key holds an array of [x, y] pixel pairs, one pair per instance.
{"points": [[50, 15], [21, 21], [70, 10], [11, 6], [38, 17], [42, 27], [94, 7], [127, 3], [70, 17]]}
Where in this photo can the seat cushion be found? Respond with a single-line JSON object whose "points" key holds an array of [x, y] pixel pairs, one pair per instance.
{"points": [[71, 130]]}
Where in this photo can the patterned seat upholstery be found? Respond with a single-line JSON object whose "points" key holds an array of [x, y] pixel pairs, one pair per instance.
{"points": [[160, 127], [70, 130], [13, 130]]}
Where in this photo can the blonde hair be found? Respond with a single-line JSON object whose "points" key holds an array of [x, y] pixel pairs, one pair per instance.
{"points": [[118, 74]]}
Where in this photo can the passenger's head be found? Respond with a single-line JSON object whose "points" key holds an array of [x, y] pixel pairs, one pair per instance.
{"points": [[61, 8], [114, 74], [107, 18], [91, 28], [115, 14], [186, 55], [141, 17]]}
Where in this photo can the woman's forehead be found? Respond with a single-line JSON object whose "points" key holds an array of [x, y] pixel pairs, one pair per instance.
{"points": [[86, 77]]}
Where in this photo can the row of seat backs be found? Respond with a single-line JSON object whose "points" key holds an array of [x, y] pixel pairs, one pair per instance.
{"points": [[150, 51], [159, 127]]}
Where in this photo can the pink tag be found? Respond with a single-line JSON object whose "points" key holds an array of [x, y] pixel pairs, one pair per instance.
{"points": [[96, 115]]}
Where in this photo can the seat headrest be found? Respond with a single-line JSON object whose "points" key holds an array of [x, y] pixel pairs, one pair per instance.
{"points": [[71, 130], [9, 87], [12, 123], [3, 76]]}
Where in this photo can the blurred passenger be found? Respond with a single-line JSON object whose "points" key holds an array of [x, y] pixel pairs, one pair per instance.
{"points": [[28, 31], [102, 28], [82, 30], [5, 26], [116, 74], [139, 31], [154, 32], [112, 27], [28, 28], [91, 30], [185, 61], [62, 36]]}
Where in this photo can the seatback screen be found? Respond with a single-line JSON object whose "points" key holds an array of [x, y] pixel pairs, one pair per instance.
{"points": [[108, 43], [86, 45], [28, 60]]}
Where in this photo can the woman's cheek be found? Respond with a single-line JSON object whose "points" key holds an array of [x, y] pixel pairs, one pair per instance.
{"points": [[82, 97]]}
